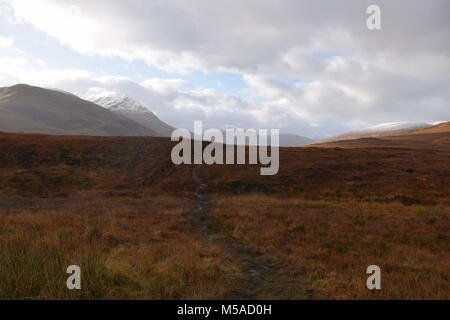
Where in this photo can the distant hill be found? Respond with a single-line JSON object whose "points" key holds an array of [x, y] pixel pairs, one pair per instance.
{"points": [[440, 128], [131, 109], [380, 130], [28, 109], [292, 140], [286, 140], [435, 137]]}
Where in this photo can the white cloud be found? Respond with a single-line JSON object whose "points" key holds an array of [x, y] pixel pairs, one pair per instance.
{"points": [[41, 62], [252, 35], [306, 63], [165, 85], [6, 42]]}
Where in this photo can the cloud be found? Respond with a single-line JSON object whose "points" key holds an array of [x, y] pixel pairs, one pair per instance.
{"points": [[247, 36], [6, 42], [165, 85], [182, 108], [311, 67], [41, 62], [178, 108]]}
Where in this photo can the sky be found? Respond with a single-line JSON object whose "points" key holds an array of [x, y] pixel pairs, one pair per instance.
{"points": [[311, 68]]}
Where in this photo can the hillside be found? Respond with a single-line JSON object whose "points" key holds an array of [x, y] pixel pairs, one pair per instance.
{"points": [[27, 109], [292, 140], [131, 109], [436, 138], [385, 129], [440, 128]]}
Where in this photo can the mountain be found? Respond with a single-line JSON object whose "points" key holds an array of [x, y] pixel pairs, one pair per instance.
{"points": [[442, 127], [380, 130], [287, 140], [28, 109], [435, 137], [292, 140], [129, 108]]}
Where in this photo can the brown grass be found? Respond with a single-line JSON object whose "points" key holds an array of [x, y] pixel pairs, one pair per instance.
{"points": [[333, 242], [127, 249], [119, 208]]}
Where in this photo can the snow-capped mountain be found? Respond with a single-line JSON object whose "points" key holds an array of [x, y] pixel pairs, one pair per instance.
{"points": [[115, 102], [380, 130], [30, 109], [130, 108]]}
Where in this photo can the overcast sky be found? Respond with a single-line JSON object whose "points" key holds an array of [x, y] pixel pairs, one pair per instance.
{"points": [[306, 67]]}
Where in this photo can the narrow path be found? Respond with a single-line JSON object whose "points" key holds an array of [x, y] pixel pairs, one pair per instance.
{"points": [[264, 279]]}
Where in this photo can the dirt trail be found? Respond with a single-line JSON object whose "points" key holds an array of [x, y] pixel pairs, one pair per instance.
{"points": [[264, 278]]}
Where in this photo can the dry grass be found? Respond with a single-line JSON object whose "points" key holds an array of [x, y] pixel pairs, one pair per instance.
{"points": [[381, 175], [127, 249], [118, 208], [333, 243]]}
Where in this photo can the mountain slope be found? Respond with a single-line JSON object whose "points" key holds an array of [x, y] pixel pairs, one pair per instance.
{"points": [[435, 137], [292, 140], [384, 129], [129, 108], [439, 128], [27, 109], [287, 140]]}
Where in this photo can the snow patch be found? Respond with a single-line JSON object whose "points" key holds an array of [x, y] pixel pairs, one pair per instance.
{"points": [[114, 101]]}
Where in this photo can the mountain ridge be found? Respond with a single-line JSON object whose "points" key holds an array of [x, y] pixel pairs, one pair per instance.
{"points": [[128, 107], [30, 109], [432, 138], [379, 130]]}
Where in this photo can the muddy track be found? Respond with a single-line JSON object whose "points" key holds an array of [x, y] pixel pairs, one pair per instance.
{"points": [[264, 278]]}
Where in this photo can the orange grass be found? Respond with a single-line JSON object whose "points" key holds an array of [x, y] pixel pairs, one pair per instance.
{"points": [[333, 243], [126, 248], [119, 208]]}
